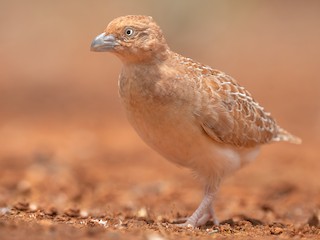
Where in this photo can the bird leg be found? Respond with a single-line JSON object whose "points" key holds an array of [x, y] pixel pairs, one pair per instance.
{"points": [[203, 213]]}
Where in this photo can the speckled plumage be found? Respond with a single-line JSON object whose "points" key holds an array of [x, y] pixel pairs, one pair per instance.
{"points": [[195, 116]]}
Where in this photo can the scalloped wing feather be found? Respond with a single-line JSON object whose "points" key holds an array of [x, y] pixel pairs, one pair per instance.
{"points": [[239, 120], [228, 113]]}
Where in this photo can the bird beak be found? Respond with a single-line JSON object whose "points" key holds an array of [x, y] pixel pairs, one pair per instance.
{"points": [[104, 43]]}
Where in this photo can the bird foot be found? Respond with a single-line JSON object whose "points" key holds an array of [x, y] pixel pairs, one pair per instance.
{"points": [[193, 222], [203, 213]]}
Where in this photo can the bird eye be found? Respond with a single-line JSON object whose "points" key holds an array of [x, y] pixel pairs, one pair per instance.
{"points": [[129, 32]]}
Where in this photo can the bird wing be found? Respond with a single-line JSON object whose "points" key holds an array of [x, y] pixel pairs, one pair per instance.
{"points": [[230, 115]]}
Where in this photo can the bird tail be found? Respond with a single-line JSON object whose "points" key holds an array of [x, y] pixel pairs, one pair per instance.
{"points": [[285, 136]]}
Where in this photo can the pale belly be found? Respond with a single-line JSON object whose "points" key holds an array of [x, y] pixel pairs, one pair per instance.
{"points": [[176, 135]]}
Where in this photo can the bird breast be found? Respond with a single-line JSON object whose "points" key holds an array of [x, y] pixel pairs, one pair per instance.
{"points": [[156, 113], [164, 118]]}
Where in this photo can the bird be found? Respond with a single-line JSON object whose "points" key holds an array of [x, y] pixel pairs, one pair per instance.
{"points": [[195, 116]]}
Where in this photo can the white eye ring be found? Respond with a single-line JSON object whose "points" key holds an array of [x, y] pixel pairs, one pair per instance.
{"points": [[129, 32]]}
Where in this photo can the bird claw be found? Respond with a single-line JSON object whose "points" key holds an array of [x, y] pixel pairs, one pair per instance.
{"points": [[185, 225], [188, 222]]}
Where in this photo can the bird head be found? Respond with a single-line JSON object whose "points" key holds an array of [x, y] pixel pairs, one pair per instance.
{"points": [[132, 38]]}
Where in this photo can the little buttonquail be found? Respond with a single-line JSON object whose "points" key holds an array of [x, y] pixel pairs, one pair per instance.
{"points": [[195, 116]]}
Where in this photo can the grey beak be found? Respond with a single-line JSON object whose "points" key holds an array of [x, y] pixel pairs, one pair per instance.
{"points": [[103, 43]]}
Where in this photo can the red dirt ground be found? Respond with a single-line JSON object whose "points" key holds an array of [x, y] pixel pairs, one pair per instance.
{"points": [[129, 192]]}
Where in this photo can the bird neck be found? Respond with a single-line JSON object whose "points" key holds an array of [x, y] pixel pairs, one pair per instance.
{"points": [[150, 57]]}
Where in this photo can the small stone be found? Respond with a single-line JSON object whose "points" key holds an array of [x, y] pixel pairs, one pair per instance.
{"points": [[33, 207], [211, 231], [154, 236], [84, 214], [276, 231], [22, 206], [190, 226], [51, 211], [71, 212], [101, 222], [142, 213], [313, 221], [4, 210]]}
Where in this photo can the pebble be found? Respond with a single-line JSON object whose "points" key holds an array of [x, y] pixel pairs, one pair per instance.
{"points": [[51, 211], [22, 206], [155, 236], [276, 231], [314, 221], [142, 213], [72, 212]]}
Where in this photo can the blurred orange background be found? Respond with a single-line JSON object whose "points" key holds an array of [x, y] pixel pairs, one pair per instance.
{"points": [[57, 96]]}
